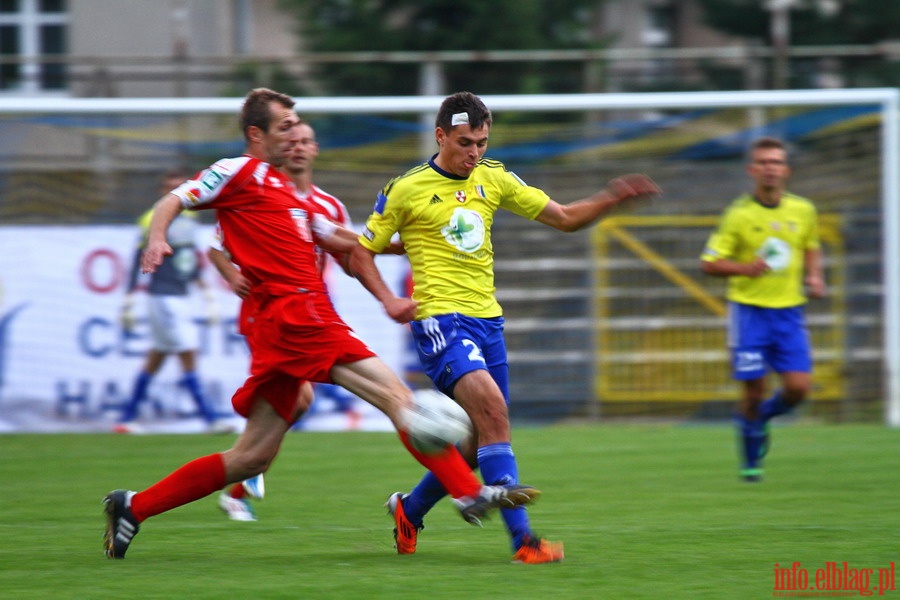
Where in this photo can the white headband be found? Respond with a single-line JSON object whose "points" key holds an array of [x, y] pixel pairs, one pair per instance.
{"points": [[459, 119]]}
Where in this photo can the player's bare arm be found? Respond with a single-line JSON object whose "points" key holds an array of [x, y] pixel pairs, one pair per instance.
{"points": [[239, 284], [344, 240], [362, 265], [621, 192], [814, 280], [164, 212], [728, 268]]}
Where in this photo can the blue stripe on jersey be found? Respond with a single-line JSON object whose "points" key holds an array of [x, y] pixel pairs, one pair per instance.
{"points": [[380, 203]]}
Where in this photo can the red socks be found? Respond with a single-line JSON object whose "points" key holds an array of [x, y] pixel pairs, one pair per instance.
{"points": [[197, 479], [237, 491], [450, 468]]}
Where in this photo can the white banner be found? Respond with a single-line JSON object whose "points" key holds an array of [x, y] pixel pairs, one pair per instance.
{"points": [[66, 364]]}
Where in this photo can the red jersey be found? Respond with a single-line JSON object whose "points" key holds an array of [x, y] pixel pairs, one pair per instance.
{"points": [[336, 212], [266, 228]]}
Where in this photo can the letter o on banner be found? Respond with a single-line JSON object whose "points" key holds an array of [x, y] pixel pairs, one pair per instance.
{"points": [[101, 271]]}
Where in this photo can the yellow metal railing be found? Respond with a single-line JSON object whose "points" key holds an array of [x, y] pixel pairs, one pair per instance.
{"points": [[659, 322]]}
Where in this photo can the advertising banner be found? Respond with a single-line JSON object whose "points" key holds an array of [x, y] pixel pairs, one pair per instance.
{"points": [[68, 364]]}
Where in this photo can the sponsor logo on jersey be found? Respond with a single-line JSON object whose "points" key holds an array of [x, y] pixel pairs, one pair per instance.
{"points": [[367, 233], [776, 252], [435, 199], [465, 231], [479, 189], [211, 180]]}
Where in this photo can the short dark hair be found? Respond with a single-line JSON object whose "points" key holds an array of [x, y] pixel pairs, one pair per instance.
{"points": [[767, 142], [256, 113], [477, 113]]}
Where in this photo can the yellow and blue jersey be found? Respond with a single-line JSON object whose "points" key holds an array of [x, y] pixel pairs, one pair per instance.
{"points": [[445, 224], [781, 235]]}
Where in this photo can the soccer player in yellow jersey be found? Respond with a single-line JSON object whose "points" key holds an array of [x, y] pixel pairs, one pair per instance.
{"points": [[767, 245], [443, 211]]}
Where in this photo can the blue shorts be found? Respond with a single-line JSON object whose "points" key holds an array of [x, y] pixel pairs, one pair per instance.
{"points": [[773, 337], [452, 345]]}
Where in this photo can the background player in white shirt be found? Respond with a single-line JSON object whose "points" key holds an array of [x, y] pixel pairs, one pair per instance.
{"points": [[170, 312]]}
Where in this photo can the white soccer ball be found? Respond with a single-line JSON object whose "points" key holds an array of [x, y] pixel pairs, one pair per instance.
{"points": [[434, 420]]}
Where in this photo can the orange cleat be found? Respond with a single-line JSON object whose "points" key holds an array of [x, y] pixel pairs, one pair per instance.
{"points": [[535, 551], [405, 533]]}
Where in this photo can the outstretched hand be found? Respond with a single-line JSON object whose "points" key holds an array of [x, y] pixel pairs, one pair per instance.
{"points": [[153, 255], [632, 188]]}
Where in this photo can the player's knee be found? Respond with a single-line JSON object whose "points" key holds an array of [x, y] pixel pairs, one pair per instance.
{"points": [[250, 463], [796, 394]]}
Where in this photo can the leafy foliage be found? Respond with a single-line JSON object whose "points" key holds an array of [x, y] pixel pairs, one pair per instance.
{"points": [[443, 25], [818, 22], [812, 23]]}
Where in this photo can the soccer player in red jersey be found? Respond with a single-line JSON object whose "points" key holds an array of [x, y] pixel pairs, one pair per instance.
{"points": [[235, 501], [290, 325]]}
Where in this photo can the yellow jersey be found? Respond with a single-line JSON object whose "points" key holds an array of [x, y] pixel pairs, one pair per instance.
{"points": [[779, 234], [445, 224]]}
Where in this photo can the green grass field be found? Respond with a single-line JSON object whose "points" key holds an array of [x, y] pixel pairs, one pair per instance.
{"points": [[645, 511]]}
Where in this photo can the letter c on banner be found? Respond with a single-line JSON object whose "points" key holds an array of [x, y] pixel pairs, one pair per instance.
{"points": [[101, 271]]}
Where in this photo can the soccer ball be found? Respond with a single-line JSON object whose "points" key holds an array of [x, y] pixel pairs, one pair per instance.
{"points": [[434, 420]]}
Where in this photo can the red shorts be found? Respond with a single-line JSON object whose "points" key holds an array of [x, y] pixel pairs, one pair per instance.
{"points": [[292, 338]]}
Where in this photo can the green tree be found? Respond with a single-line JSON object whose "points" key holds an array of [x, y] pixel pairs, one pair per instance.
{"points": [[439, 25], [820, 23]]}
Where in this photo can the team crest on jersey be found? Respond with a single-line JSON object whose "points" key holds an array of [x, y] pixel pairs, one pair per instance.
{"points": [[461, 196], [465, 231]]}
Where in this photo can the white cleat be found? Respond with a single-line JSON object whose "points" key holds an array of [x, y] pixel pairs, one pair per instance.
{"points": [[237, 510], [255, 487]]}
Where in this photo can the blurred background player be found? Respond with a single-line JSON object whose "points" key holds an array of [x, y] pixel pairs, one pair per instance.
{"points": [[443, 211], [170, 313], [767, 245], [235, 501]]}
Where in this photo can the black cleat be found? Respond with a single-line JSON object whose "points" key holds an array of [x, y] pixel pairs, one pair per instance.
{"points": [[121, 526]]}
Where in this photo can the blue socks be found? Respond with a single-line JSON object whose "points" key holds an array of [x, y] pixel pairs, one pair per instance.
{"points": [[498, 467], [192, 383], [773, 407], [752, 435], [129, 413]]}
